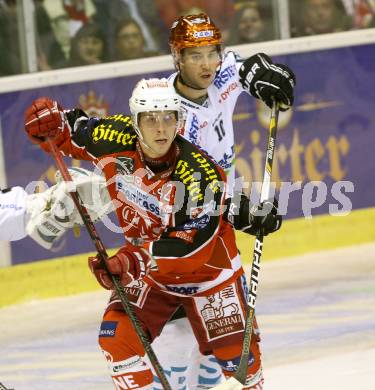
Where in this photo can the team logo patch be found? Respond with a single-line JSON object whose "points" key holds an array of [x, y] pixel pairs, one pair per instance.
{"points": [[232, 365], [108, 329], [198, 20], [125, 366], [194, 131], [137, 292], [226, 74], [144, 200], [203, 34], [221, 313], [197, 223], [183, 290], [187, 236], [124, 165]]}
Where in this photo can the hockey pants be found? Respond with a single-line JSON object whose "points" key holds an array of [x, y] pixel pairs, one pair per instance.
{"points": [[217, 321]]}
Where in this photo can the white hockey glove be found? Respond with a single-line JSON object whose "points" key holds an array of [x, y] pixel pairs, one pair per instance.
{"points": [[51, 213]]}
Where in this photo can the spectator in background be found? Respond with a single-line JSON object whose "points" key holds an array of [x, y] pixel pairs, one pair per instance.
{"points": [[250, 25], [67, 17], [61, 28], [144, 12], [364, 14], [50, 53], [9, 39], [318, 17], [77, 11], [88, 46], [130, 42]]}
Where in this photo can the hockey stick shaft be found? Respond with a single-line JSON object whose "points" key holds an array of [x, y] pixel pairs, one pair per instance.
{"points": [[102, 253], [258, 247]]}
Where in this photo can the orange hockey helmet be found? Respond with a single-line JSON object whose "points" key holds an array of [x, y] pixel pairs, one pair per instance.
{"points": [[192, 31]]}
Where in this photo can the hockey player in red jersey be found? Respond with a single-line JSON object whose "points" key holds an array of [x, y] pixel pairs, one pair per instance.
{"points": [[209, 81], [170, 194]]}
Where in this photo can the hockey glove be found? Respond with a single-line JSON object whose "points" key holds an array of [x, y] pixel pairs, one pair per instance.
{"points": [[264, 217], [267, 81], [251, 218], [44, 119], [51, 213], [129, 263]]}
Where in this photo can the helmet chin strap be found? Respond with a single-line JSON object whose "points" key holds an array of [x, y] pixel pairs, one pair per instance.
{"points": [[148, 147]]}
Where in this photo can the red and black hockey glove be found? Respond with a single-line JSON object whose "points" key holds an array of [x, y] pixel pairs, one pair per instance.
{"points": [[44, 119], [129, 263]]}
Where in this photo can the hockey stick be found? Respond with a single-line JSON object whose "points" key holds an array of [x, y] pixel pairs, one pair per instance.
{"points": [[239, 379], [102, 253]]}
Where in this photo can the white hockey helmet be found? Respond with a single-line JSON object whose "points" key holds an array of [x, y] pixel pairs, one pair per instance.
{"points": [[154, 95]]}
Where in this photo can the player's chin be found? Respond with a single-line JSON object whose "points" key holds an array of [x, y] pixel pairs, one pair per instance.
{"points": [[205, 82]]}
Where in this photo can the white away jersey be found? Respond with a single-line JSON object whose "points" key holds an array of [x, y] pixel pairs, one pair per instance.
{"points": [[210, 126], [12, 214]]}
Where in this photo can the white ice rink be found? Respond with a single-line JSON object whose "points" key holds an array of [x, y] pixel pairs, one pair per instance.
{"points": [[316, 313]]}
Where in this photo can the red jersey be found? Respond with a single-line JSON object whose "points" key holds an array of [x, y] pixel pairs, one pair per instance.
{"points": [[177, 212]]}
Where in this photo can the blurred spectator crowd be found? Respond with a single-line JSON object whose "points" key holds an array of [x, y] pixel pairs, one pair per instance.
{"points": [[83, 32]]}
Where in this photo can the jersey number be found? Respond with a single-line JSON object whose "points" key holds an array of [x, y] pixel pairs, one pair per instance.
{"points": [[220, 130]]}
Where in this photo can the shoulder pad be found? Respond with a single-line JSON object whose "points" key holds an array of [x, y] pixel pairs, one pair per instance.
{"points": [[114, 130], [197, 171]]}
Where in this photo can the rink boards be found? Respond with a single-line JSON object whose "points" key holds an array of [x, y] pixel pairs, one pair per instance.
{"points": [[70, 275], [324, 150]]}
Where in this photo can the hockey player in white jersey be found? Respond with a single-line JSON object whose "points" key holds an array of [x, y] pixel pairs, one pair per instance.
{"points": [[46, 216], [210, 80], [13, 214]]}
